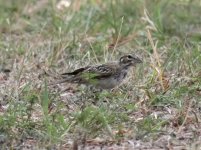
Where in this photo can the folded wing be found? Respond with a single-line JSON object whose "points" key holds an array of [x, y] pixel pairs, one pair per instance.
{"points": [[89, 74]]}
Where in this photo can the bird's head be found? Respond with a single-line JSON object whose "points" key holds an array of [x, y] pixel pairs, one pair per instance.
{"points": [[129, 60]]}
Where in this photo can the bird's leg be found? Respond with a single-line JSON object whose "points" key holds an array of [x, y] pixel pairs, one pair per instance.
{"points": [[95, 94]]}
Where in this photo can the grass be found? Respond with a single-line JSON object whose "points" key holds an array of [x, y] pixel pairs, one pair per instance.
{"points": [[160, 99]]}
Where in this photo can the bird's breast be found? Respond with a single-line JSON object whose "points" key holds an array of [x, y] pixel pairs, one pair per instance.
{"points": [[112, 81], [120, 75]]}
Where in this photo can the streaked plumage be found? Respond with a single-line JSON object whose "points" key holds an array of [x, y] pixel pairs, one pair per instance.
{"points": [[104, 76]]}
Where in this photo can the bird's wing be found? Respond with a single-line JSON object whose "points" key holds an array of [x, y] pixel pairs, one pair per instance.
{"points": [[101, 71], [90, 73], [75, 72]]}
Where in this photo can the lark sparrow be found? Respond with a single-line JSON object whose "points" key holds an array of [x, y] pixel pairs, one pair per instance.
{"points": [[104, 76]]}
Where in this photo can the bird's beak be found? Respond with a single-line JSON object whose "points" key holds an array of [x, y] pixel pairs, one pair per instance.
{"points": [[138, 60]]}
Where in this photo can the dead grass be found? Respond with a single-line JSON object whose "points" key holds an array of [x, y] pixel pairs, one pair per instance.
{"points": [[158, 106]]}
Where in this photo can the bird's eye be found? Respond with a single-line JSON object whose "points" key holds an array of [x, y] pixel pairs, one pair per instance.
{"points": [[130, 57]]}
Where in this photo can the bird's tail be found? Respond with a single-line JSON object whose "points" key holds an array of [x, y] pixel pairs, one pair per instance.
{"points": [[60, 78]]}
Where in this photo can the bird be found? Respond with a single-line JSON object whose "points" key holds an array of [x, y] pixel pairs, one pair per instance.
{"points": [[102, 76]]}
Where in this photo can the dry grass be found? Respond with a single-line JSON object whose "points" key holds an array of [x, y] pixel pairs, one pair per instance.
{"points": [[158, 106]]}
